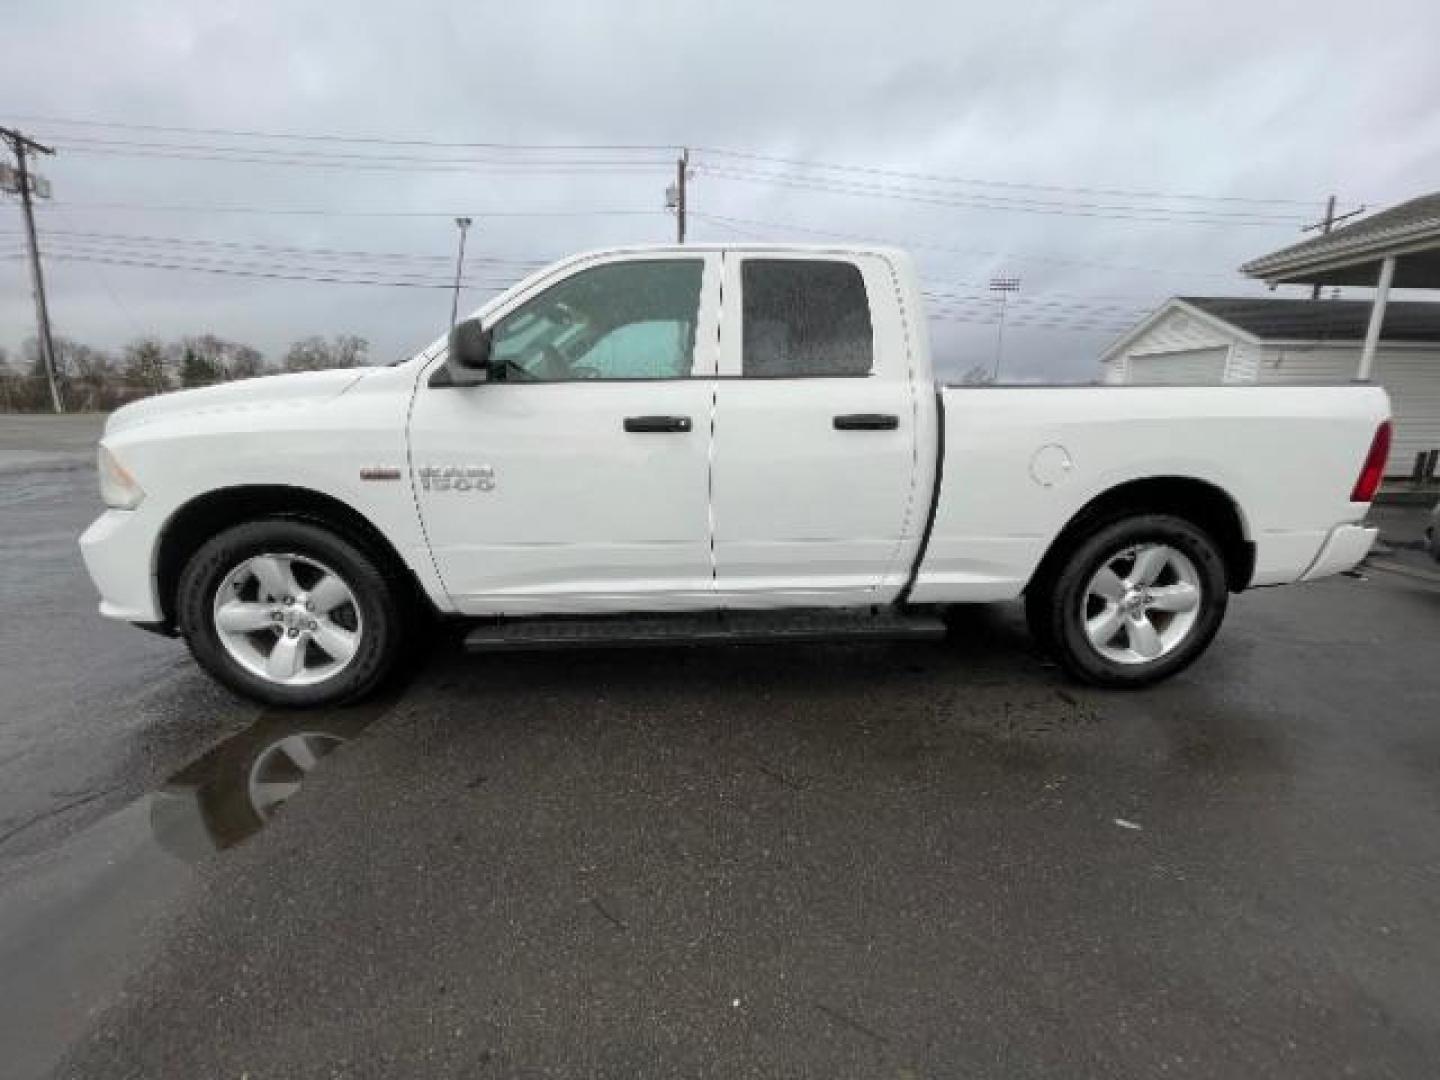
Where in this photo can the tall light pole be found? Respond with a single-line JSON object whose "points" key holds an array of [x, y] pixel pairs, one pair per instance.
{"points": [[1002, 287], [25, 183], [464, 224]]}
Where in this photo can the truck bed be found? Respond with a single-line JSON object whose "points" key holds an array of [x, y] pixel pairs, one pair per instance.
{"points": [[1018, 463]]}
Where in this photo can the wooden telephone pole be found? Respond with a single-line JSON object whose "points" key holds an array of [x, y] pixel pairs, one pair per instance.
{"points": [[25, 186], [675, 197], [1325, 224]]}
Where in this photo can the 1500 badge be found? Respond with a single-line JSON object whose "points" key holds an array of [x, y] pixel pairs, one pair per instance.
{"points": [[456, 477]]}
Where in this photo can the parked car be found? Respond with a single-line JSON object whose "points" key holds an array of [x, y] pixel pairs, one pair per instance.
{"points": [[1432, 533], [711, 444]]}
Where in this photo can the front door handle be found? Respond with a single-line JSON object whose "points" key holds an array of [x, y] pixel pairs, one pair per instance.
{"points": [[867, 421], [657, 423]]}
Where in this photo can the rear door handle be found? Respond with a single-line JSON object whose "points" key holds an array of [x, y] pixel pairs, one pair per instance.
{"points": [[867, 421], [657, 423]]}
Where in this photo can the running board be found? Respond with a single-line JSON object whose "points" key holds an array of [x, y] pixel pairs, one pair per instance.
{"points": [[717, 628]]}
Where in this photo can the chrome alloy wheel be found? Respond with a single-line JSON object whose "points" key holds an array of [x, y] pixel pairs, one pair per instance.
{"points": [[1142, 603], [288, 619]]}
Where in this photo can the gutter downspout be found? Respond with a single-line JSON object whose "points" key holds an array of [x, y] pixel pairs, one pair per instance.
{"points": [[1377, 318]]}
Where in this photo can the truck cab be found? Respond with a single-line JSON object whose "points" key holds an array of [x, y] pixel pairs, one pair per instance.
{"points": [[632, 433]]}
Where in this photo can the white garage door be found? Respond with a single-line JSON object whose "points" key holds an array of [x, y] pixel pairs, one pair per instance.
{"points": [[1190, 367]]}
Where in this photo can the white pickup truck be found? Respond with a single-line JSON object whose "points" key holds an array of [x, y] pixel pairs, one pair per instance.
{"points": [[701, 443]]}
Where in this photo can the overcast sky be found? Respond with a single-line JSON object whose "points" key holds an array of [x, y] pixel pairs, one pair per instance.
{"points": [[1059, 139]]}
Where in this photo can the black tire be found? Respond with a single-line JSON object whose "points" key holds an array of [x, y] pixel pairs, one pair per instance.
{"points": [[1038, 601], [1056, 605], [380, 603]]}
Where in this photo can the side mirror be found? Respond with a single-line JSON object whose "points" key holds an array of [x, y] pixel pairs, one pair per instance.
{"points": [[469, 359]]}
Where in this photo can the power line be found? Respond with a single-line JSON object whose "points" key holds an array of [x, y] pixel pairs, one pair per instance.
{"points": [[943, 310], [327, 137], [840, 184], [982, 317], [241, 157], [950, 283], [506, 159], [326, 212], [941, 290], [190, 260], [1047, 300], [1119, 212], [321, 277], [938, 178], [662, 148], [1022, 324], [147, 240], [920, 245], [1122, 212]]}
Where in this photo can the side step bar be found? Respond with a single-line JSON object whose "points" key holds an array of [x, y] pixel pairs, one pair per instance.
{"points": [[718, 628]]}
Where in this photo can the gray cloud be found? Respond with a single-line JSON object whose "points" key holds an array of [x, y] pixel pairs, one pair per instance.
{"points": [[1284, 101]]}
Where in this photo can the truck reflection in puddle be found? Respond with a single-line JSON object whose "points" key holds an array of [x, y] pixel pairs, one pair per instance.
{"points": [[228, 794]]}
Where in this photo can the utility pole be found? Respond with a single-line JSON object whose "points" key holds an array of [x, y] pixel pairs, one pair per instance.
{"points": [[1002, 287], [1325, 224], [1325, 227], [675, 197], [26, 185], [464, 224]]}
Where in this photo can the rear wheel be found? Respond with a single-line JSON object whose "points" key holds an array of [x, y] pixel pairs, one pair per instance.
{"points": [[1133, 602], [290, 614]]}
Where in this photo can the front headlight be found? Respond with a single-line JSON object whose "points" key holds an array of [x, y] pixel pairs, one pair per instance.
{"points": [[118, 488]]}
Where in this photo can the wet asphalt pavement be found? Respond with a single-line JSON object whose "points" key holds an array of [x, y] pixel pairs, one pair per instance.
{"points": [[918, 860]]}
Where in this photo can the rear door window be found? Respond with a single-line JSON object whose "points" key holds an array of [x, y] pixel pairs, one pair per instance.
{"points": [[804, 318]]}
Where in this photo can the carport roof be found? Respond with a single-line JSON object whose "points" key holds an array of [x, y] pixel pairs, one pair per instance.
{"points": [[1276, 319], [1351, 255]]}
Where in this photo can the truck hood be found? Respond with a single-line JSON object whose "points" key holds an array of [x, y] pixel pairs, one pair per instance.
{"points": [[267, 391]]}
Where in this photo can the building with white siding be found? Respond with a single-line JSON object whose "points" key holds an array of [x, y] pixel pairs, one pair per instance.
{"points": [[1209, 340]]}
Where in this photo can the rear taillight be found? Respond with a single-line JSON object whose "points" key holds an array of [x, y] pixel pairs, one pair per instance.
{"points": [[1373, 470]]}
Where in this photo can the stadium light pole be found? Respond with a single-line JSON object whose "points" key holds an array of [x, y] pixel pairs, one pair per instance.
{"points": [[1001, 287]]}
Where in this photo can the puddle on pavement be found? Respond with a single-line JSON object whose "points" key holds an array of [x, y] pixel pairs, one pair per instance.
{"points": [[230, 792], [76, 919]]}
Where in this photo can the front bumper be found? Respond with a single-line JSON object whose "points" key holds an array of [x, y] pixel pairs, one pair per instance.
{"points": [[1343, 548], [118, 549]]}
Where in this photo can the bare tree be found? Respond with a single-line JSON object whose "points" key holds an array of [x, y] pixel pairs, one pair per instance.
{"points": [[350, 350], [316, 354], [244, 362], [85, 375], [91, 378], [145, 365], [209, 359], [196, 367]]}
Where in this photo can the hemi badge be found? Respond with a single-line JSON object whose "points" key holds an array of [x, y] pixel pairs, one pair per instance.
{"points": [[379, 473]]}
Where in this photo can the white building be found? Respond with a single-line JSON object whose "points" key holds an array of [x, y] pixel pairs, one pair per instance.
{"points": [[1208, 340], [1205, 339]]}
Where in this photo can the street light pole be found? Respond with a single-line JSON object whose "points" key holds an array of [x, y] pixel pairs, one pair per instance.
{"points": [[464, 224]]}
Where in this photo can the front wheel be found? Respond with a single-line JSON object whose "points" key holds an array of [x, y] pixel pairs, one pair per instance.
{"points": [[290, 614], [1134, 602]]}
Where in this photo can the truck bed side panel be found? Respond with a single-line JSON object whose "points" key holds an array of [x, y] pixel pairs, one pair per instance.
{"points": [[1021, 462]]}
